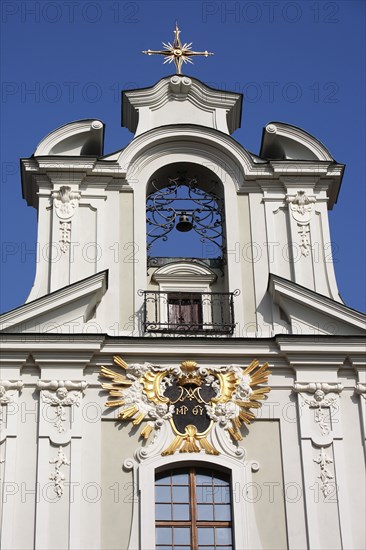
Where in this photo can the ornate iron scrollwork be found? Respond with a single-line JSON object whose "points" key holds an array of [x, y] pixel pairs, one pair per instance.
{"points": [[188, 312], [182, 196]]}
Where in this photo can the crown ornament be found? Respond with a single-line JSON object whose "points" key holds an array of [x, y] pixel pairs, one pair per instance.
{"points": [[190, 374]]}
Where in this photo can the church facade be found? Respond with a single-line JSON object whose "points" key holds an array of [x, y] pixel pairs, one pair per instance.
{"points": [[184, 373]]}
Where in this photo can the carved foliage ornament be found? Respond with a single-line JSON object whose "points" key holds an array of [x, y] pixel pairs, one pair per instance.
{"points": [[57, 476], [60, 396], [320, 401], [191, 399], [304, 232], [65, 202], [302, 207], [325, 475], [65, 236], [5, 397]]}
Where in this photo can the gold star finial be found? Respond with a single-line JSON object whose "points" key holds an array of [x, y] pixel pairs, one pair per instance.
{"points": [[177, 52]]}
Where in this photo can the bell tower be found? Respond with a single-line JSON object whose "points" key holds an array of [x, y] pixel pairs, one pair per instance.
{"points": [[195, 380], [184, 230]]}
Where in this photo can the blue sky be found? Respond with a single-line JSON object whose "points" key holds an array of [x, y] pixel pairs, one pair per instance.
{"points": [[299, 62]]}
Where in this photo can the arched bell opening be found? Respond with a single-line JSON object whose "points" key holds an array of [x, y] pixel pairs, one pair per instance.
{"points": [[185, 216], [185, 227]]}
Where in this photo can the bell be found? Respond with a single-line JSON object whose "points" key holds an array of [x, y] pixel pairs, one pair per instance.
{"points": [[184, 224]]}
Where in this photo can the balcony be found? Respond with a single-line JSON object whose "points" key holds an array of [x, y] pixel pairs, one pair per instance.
{"points": [[188, 312]]}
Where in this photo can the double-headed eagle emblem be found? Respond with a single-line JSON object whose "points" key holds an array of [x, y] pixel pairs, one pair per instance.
{"points": [[189, 397]]}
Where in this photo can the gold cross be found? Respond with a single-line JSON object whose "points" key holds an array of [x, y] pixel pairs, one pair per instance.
{"points": [[177, 52]]}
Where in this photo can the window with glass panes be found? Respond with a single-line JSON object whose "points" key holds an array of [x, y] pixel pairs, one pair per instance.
{"points": [[193, 510]]}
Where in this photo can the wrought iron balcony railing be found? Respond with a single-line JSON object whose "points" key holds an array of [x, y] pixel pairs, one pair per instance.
{"points": [[189, 312]]}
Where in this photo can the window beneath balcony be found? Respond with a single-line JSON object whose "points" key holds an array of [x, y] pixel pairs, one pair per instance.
{"points": [[193, 510], [183, 298], [184, 311]]}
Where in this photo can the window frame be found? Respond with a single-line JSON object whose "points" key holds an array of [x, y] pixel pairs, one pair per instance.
{"points": [[240, 474], [187, 278], [193, 522], [195, 317]]}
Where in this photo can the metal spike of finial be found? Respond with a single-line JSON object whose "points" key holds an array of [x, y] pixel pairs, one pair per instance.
{"points": [[177, 52]]}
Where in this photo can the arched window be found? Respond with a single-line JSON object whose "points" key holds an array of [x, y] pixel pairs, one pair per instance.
{"points": [[193, 510], [185, 215], [187, 286]]}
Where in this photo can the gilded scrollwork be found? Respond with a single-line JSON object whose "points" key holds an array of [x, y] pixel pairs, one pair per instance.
{"points": [[189, 398]]}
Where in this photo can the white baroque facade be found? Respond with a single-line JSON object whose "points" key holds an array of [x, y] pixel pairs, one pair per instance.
{"points": [[107, 305]]}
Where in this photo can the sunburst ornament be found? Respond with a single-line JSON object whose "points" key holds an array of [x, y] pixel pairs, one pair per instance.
{"points": [[177, 52], [191, 400]]}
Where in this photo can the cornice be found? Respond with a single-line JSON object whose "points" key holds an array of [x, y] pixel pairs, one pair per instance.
{"points": [[44, 172], [132, 158], [94, 284], [331, 345], [322, 304]]}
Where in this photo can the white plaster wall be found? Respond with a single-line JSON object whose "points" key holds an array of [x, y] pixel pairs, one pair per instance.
{"points": [[126, 258], [84, 242], [24, 458], [267, 491], [280, 260], [247, 279], [118, 486], [41, 281], [94, 513], [351, 478]]}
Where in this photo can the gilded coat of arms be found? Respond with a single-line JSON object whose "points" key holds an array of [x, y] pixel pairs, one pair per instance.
{"points": [[191, 398]]}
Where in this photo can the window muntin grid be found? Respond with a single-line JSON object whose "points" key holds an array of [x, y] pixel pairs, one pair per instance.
{"points": [[193, 510]]}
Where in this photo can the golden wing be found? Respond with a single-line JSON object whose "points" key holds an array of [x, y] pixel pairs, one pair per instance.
{"points": [[119, 387], [151, 382], [119, 382], [190, 442], [258, 375], [228, 383]]}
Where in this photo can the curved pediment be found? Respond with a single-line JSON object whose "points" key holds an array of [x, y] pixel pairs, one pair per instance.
{"points": [[83, 137], [184, 271], [190, 143], [282, 141], [180, 100]]}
